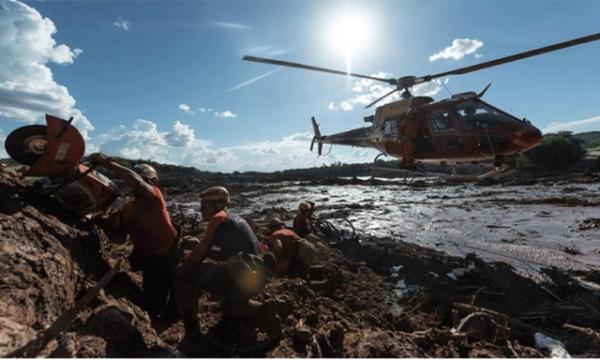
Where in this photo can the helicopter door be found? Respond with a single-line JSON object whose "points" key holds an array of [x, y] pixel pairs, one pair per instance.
{"points": [[390, 129], [445, 134]]}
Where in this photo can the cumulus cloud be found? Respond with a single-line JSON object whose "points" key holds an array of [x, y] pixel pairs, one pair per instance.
{"points": [[365, 91], [583, 125], [185, 108], [225, 114], [230, 25], [458, 50], [122, 24], [143, 140], [181, 135], [27, 86], [180, 145]]}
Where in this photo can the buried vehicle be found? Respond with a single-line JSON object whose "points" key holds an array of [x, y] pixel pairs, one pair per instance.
{"points": [[53, 152]]}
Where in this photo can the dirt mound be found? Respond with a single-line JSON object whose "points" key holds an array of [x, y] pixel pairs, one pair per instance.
{"points": [[392, 299]]}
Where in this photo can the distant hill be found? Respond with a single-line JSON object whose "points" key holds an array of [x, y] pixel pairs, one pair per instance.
{"points": [[590, 138]]}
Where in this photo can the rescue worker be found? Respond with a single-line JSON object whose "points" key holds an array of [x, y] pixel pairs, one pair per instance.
{"points": [[283, 244], [293, 255], [144, 219], [303, 218], [224, 263], [409, 128]]}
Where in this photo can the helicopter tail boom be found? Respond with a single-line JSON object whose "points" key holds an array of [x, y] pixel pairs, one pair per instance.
{"points": [[354, 137]]}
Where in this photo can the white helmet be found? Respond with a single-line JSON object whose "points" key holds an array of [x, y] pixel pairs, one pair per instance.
{"points": [[146, 171], [215, 193]]}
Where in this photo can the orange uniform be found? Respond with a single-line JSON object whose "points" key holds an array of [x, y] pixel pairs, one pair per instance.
{"points": [[148, 224], [409, 128], [283, 243]]}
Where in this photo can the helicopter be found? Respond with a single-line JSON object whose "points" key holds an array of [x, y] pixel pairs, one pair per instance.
{"points": [[462, 128]]}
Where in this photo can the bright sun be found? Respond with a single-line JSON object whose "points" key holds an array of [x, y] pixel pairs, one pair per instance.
{"points": [[349, 32]]}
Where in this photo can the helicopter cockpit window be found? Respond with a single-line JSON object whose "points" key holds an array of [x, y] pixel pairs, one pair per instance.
{"points": [[441, 121], [476, 114], [390, 127]]}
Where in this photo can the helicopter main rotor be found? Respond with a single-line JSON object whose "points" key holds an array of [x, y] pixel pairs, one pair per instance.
{"points": [[406, 82]]}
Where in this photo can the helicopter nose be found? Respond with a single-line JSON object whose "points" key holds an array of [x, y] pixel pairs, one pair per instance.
{"points": [[529, 137]]}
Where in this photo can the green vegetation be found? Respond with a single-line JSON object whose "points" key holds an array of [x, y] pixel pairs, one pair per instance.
{"points": [[556, 152]]}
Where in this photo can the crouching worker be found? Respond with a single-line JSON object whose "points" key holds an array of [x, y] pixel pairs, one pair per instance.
{"points": [[293, 254], [225, 263], [144, 219]]}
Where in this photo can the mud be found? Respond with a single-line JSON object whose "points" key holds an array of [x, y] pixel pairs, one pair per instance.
{"points": [[389, 291]]}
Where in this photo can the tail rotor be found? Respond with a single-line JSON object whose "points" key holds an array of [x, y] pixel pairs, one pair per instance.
{"points": [[316, 137]]}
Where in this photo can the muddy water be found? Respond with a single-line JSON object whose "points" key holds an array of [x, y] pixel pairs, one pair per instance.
{"points": [[526, 226]]}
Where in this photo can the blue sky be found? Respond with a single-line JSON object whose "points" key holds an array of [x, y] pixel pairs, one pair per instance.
{"points": [[164, 79]]}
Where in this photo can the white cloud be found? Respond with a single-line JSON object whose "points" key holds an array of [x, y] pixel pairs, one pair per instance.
{"points": [[458, 50], [181, 135], [122, 24], [589, 124], [144, 140], [366, 91], [225, 114], [230, 25], [3, 153], [27, 86], [185, 108]]}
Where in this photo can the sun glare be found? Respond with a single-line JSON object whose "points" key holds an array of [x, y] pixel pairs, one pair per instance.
{"points": [[349, 32]]}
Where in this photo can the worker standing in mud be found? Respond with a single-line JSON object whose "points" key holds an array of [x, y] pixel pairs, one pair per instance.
{"points": [[146, 222], [225, 262], [304, 217], [409, 128]]}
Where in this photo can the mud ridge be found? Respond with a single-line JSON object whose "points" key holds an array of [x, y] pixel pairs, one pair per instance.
{"points": [[379, 297]]}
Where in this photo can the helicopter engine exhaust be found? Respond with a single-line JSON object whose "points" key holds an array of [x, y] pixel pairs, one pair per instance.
{"points": [[316, 137]]}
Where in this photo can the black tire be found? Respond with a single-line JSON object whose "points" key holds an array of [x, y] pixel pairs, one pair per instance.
{"points": [[16, 143]]}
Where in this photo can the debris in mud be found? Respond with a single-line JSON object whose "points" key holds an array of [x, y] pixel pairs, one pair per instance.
{"points": [[591, 223], [572, 250], [452, 306]]}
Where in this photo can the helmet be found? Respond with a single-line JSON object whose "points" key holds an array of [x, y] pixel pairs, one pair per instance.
{"points": [[215, 193], [303, 206], [146, 171], [275, 224]]}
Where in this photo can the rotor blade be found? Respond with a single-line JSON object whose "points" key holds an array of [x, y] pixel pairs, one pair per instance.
{"points": [[315, 68], [381, 98], [511, 58]]}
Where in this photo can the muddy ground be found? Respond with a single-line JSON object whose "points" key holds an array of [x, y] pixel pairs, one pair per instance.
{"points": [[386, 292]]}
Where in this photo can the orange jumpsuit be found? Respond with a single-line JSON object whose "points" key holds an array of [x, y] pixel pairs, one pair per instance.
{"points": [[283, 243], [409, 127]]}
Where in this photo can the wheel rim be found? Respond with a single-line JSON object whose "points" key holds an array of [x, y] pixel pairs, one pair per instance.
{"points": [[35, 144]]}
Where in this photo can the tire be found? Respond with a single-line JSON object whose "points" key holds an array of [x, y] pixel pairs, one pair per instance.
{"points": [[18, 142]]}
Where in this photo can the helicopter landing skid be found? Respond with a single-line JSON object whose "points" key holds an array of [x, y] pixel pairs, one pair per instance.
{"points": [[406, 172], [496, 173]]}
